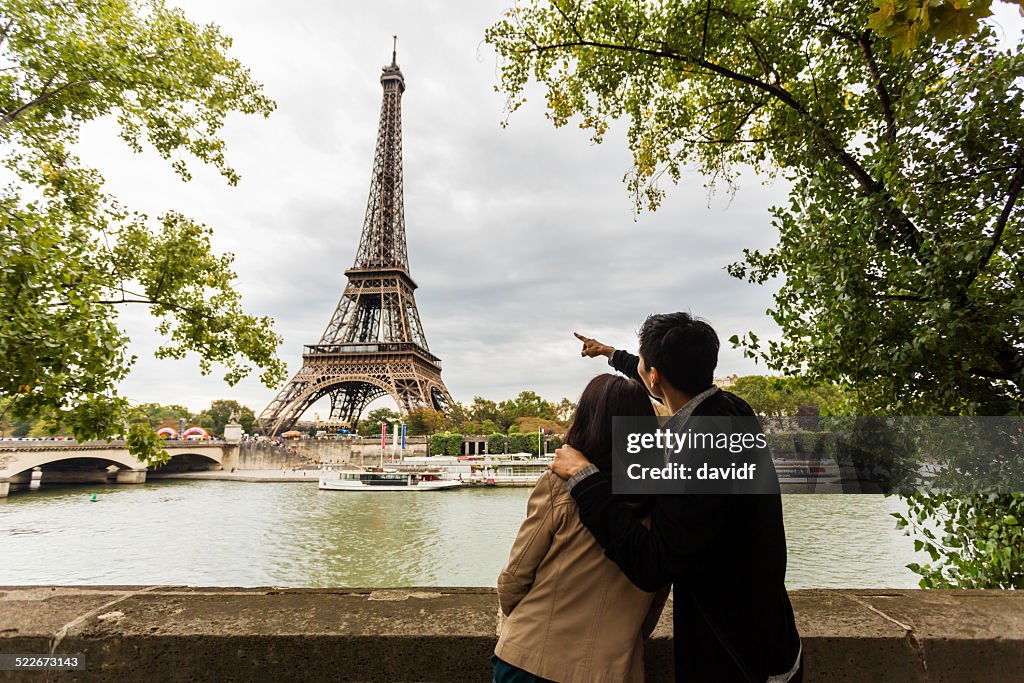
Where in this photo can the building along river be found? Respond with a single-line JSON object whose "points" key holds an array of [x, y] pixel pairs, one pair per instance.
{"points": [[223, 533]]}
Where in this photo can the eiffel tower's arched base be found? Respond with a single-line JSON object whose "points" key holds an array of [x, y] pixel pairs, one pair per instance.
{"points": [[352, 381]]}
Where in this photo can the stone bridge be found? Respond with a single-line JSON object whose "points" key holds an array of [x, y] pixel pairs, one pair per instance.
{"points": [[23, 464]]}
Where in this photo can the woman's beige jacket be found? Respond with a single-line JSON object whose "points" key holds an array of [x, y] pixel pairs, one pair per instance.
{"points": [[572, 614]]}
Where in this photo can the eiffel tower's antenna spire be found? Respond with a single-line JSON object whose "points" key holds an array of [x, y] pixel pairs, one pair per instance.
{"points": [[383, 238], [394, 52]]}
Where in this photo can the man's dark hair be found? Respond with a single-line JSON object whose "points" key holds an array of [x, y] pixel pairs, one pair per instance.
{"points": [[683, 348]]}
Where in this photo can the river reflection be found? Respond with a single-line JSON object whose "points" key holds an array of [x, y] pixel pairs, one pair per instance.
{"points": [[217, 533]]}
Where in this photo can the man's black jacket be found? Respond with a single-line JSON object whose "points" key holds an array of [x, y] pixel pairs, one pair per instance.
{"points": [[725, 556]]}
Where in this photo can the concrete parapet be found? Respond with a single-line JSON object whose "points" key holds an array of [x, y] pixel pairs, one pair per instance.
{"points": [[446, 634]]}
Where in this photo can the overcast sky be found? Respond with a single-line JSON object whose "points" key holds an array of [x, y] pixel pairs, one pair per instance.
{"points": [[517, 236]]}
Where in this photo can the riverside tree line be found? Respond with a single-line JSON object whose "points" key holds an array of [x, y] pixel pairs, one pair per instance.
{"points": [[526, 413]]}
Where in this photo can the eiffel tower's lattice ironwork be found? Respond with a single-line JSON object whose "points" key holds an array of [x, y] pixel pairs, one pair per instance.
{"points": [[374, 344]]}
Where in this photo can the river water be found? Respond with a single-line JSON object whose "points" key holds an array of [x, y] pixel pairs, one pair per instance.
{"points": [[223, 533]]}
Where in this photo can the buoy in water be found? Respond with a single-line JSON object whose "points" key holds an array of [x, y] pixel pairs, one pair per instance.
{"points": [[93, 499]]}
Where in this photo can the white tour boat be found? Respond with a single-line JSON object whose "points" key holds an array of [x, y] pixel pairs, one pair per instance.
{"points": [[376, 479]]}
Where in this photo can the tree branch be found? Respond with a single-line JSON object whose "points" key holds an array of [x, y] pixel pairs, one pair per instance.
{"points": [[570, 22], [9, 118], [867, 184], [1016, 266], [122, 300], [125, 300], [883, 94], [704, 33], [1012, 193], [901, 297]]}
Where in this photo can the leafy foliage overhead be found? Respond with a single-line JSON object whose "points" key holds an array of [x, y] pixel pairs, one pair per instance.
{"points": [[70, 253], [900, 244]]}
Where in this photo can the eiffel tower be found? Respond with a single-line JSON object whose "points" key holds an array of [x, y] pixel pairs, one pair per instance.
{"points": [[374, 344]]}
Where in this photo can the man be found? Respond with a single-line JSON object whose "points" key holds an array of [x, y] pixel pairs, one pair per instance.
{"points": [[724, 554]]}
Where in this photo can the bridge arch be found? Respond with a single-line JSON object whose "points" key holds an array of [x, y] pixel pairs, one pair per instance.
{"points": [[16, 462], [184, 460], [13, 464]]}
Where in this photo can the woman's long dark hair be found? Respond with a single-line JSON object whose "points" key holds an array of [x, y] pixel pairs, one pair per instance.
{"points": [[606, 396]]}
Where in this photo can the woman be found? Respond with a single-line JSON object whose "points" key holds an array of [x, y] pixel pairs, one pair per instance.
{"points": [[572, 615]]}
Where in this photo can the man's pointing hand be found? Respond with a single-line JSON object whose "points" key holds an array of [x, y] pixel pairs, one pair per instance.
{"points": [[592, 347]]}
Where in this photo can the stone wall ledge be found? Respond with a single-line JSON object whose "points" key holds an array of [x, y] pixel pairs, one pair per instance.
{"points": [[180, 633]]}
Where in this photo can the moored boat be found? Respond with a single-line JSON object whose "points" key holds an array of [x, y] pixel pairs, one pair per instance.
{"points": [[376, 479]]}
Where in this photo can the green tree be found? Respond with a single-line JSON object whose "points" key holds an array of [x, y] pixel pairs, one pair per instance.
{"points": [[20, 428], [445, 444], [564, 411], [426, 421], [369, 425], [158, 415], [458, 415], [528, 404], [487, 427], [483, 410], [899, 248], [69, 253], [219, 413], [784, 396], [496, 443], [11, 426], [528, 442]]}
